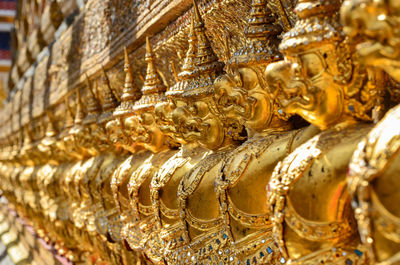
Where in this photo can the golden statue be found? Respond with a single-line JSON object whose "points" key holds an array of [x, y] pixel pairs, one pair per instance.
{"points": [[164, 184], [84, 214], [68, 143], [321, 81], [140, 233], [100, 186], [118, 135], [198, 233], [268, 146], [373, 169], [244, 95]]}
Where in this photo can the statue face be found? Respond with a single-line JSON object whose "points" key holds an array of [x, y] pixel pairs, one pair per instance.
{"points": [[196, 123], [44, 150], [305, 85], [241, 97], [374, 24], [83, 139], [116, 133], [99, 134], [113, 131], [163, 115], [131, 124], [230, 95], [67, 144], [143, 131], [149, 133], [80, 136]]}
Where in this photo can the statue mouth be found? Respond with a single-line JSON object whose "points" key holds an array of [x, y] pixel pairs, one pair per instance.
{"points": [[242, 110], [298, 100], [143, 138], [297, 95], [167, 129], [192, 130], [114, 139], [375, 54], [369, 49]]}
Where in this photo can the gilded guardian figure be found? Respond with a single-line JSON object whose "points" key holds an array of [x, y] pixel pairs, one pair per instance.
{"points": [[373, 170], [199, 234], [119, 134], [164, 185], [140, 234], [244, 95], [321, 81], [100, 186]]}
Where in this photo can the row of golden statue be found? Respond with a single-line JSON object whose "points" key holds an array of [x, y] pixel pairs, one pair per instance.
{"points": [[219, 168]]}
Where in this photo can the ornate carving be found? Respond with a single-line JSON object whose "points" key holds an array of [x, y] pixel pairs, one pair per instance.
{"points": [[372, 24], [321, 81], [210, 161]]}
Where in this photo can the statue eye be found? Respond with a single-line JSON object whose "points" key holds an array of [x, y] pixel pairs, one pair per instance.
{"points": [[223, 101], [193, 110], [231, 101], [312, 65], [147, 119], [200, 108], [297, 70]]}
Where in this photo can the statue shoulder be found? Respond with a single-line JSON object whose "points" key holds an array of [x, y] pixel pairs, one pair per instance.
{"points": [[192, 179], [378, 148]]}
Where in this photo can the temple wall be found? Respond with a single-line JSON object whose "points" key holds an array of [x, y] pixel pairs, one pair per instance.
{"points": [[95, 36]]}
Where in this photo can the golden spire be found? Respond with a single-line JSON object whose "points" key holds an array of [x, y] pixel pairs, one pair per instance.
{"points": [[130, 92], [152, 82], [153, 87], [28, 134], [94, 107], [207, 66], [69, 121], [261, 34], [189, 63], [50, 130], [188, 68], [260, 23], [318, 23], [50, 134], [27, 138], [110, 100], [79, 116], [206, 60]]}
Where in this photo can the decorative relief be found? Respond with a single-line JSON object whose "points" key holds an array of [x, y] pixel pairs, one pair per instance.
{"points": [[241, 132]]}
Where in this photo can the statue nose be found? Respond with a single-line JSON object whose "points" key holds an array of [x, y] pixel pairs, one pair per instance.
{"points": [[140, 130], [296, 70], [278, 72], [180, 115]]}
